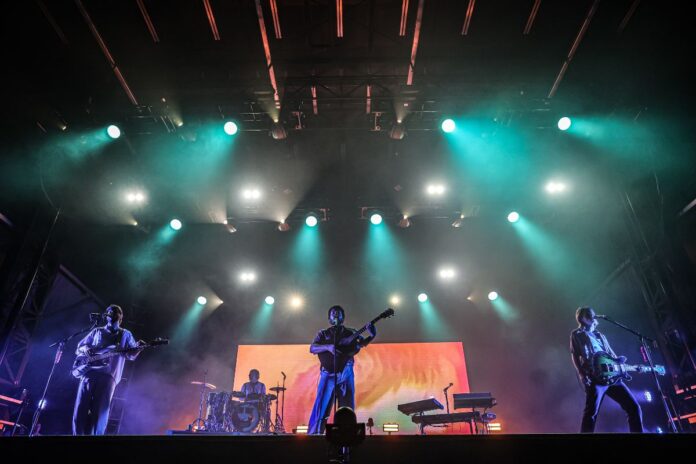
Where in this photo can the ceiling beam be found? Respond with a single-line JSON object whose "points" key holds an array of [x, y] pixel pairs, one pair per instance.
{"points": [[49, 17], [469, 15], [339, 18], [211, 19], [148, 21], [629, 15], [574, 48], [269, 61], [107, 53], [532, 17], [416, 40], [404, 18], [276, 19]]}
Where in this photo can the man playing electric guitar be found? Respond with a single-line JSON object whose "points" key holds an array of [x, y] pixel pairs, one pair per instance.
{"points": [[343, 382], [585, 341], [97, 385]]}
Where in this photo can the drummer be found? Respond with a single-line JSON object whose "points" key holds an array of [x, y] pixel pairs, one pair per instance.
{"points": [[253, 388]]}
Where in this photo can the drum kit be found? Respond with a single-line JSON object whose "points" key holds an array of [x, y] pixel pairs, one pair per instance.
{"points": [[237, 412]]}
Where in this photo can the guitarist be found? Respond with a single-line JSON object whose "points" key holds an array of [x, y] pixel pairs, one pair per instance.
{"points": [[96, 388], [343, 381], [585, 341]]}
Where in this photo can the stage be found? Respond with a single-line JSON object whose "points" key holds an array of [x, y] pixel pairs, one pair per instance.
{"points": [[375, 449]]}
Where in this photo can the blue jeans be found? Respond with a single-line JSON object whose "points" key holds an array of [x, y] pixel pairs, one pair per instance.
{"points": [[345, 384]]}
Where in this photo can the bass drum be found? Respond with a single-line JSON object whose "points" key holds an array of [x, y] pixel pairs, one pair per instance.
{"points": [[245, 417]]}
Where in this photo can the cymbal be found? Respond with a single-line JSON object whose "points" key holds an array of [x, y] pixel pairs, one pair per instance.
{"points": [[277, 389], [207, 385]]}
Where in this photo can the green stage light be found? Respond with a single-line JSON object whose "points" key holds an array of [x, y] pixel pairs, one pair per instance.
{"points": [[269, 300], [448, 126], [513, 217], [202, 300], [113, 131], [564, 123], [311, 220], [493, 296], [422, 297], [376, 219], [175, 224], [231, 128]]}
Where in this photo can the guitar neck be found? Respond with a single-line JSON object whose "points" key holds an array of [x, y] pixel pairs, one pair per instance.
{"points": [[640, 368], [98, 357]]}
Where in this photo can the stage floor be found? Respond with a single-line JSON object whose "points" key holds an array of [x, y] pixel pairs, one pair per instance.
{"points": [[196, 448]]}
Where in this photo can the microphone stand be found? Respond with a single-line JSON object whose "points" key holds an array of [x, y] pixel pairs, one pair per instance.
{"points": [[59, 353], [646, 350]]}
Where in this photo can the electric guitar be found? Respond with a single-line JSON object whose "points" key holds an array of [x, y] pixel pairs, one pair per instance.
{"points": [[349, 346], [607, 370], [99, 359]]}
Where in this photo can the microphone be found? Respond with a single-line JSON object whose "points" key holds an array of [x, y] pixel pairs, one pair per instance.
{"points": [[93, 317], [448, 387], [284, 376], [601, 316]]}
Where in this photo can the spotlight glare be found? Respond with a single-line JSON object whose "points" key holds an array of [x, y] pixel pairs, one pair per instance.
{"points": [[448, 126], [113, 131], [269, 300], [376, 219], [175, 224], [435, 189], [283, 226], [493, 296], [311, 220], [554, 187], [564, 123], [394, 300], [513, 217], [447, 273], [404, 222], [296, 302], [202, 300], [422, 297], [231, 128]]}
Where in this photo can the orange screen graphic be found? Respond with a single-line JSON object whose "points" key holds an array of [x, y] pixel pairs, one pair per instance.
{"points": [[386, 374]]}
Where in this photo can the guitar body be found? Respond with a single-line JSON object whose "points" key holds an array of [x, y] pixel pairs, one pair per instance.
{"points": [[98, 360], [350, 346], [608, 370], [82, 364]]}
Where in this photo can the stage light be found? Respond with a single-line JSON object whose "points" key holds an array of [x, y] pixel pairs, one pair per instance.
{"points": [[493, 296], [404, 222], [447, 273], [175, 224], [311, 220], [554, 187], [457, 223], [301, 430], [395, 300], [269, 300], [202, 300], [435, 190], [42, 404], [230, 228], [376, 219], [448, 126], [398, 131], [422, 297], [296, 302], [251, 194], [648, 396], [513, 217], [494, 427], [278, 131], [564, 123], [230, 128], [247, 277], [283, 226], [113, 131], [390, 428], [135, 197]]}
